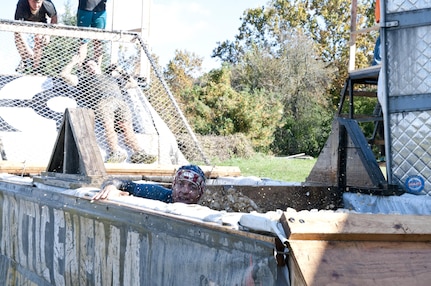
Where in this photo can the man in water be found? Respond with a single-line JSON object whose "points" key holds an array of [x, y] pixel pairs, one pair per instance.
{"points": [[187, 187]]}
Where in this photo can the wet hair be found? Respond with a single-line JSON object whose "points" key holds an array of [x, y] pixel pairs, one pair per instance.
{"points": [[191, 173]]}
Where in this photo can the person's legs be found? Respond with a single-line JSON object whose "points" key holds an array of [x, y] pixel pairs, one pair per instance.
{"points": [[84, 19], [125, 120], [83, 50], [24, 50], [91, 19], [106, 113], [111, 135], [376, 57], [98, 21], [129, 135], [98, 51], [37, 51], [139, 156]]}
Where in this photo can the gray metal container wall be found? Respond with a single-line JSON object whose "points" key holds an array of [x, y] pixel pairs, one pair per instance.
{"points": [[50, 238], [406, 35]]}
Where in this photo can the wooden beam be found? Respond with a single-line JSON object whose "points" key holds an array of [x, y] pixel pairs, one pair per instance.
{"points": [[356, 227], [328, 248], [362, 263], [123, 169], [168, 170]]}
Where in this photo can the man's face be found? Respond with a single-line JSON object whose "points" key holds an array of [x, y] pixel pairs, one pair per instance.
{"points": [[35, 5], [185, 192]]}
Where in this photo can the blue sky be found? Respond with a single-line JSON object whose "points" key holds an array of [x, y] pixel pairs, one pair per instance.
{"points": [[192, 25]]}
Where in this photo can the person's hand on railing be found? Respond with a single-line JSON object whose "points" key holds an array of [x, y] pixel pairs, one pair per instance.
{"points": [[108, 192]]}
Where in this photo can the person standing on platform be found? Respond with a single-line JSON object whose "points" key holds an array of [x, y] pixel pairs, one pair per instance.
{"points": [[33, 11], [377, 58], [91, 14]]}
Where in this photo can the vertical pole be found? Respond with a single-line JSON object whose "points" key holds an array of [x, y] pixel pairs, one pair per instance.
{"points": [[342, 157], [352, 43], [144, 66], [112, 14], [351, 91], [386, 117]]}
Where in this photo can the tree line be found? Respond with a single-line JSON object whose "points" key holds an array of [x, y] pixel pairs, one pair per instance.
{"points": [[281, 75]]}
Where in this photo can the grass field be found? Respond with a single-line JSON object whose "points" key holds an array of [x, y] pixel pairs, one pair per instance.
{"points": [[276, 168]]}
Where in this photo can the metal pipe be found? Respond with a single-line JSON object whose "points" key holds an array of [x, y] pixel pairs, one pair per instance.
{"points": [[383, 71]]}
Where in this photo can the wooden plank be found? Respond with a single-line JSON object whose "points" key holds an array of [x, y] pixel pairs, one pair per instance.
{"points": [[330, 248], [367, 30], [295, 273], [360, 263], [169, 170], [123, 169], [82, 126], [295, 156], [21, 167], [356, 227]]}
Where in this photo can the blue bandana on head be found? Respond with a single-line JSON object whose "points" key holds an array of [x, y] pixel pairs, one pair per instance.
{"points": [[193, 174]]}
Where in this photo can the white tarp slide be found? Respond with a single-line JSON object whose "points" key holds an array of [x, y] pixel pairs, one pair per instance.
{"points": [[404, 204], [32, 109]]}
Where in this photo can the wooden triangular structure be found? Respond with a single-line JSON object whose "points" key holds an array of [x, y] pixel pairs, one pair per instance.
{"points": [[76, 160], [347, 162]]}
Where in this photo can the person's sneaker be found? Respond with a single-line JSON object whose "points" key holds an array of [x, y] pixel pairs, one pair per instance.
{"points": [[24, 66], [116, 157], [141, 157]]}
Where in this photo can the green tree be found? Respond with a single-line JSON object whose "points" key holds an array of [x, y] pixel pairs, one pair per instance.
{"points": [[181, 72], [296, 78], [326, 22], [68, 18], [215, 108], [308, 81]]}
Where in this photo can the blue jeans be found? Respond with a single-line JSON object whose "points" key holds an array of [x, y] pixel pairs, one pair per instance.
{"points": [[91, 19], [377, 58]]}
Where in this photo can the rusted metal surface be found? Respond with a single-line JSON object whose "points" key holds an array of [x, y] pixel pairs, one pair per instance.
{"points": [[50, 238]]}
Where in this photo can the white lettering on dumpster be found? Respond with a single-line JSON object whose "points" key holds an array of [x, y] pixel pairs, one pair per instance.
{"points": [[66, 248]]}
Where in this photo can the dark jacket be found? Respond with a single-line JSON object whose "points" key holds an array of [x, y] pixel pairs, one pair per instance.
{"points": [[92, 5], [144, 190], [23, 12]]}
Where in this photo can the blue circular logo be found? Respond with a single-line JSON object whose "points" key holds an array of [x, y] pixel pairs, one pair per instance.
{"points": [[415, 184]]}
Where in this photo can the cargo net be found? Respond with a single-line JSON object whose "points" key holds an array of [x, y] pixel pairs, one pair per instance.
{"points": [[48, 68]]}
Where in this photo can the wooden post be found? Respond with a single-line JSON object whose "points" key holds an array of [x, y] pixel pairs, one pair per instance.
{"points": [[352, 43]]}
